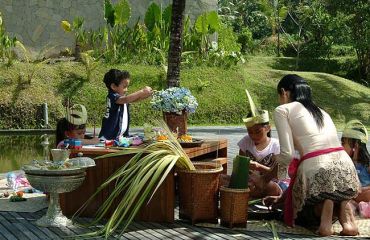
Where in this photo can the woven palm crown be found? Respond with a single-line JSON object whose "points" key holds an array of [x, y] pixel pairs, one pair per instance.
{"points": [[77, 114], [258, 116], [356, 130]]}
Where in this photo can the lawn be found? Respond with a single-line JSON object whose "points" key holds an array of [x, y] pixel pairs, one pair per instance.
{"points": [[220, 92]]}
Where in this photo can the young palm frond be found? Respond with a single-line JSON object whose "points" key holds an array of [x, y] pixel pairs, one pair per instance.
{"points": [[137, 181]]}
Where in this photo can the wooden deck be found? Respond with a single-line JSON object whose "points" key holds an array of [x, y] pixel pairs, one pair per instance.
{"points": [[19, 226]]}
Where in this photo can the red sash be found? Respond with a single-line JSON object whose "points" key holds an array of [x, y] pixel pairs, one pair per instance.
{"points": [[292, 171]]}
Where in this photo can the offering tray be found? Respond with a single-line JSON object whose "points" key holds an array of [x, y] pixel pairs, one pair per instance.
{"points": [[194, 143]]}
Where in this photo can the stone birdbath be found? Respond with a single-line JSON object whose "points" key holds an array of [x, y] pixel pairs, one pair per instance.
{"points": [[54, 177]]}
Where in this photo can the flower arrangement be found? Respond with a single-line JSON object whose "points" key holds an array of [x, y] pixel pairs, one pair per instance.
{"points": [[174, 100]]}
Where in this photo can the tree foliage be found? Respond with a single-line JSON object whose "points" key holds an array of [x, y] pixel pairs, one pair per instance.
{"points": [[355, 17]]}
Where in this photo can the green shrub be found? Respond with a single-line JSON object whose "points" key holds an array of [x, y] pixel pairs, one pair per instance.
{"points": [[245, 40], [342, 50], [227, 39]]}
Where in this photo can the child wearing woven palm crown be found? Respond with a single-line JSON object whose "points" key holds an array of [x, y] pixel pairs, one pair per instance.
{"points": [[260, 147], [73, 125], [354, 139]]}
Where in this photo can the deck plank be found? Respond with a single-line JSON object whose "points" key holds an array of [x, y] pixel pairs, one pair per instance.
{"points": [[190, 233], [8, 223], [161, 229], [5, 233], [28, 217], [169, 231], [20, 226], [34, 230], [148, 233]]}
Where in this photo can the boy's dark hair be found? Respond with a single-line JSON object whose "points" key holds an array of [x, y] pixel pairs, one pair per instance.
{"points": [[62, 126], [115, 76]]}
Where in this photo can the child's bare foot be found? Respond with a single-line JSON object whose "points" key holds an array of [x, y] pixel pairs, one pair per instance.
{"points": [[347, 220], [325, 228]]}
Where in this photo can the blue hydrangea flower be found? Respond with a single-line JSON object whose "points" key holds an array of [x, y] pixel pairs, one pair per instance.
{"points": [[174, 99]]}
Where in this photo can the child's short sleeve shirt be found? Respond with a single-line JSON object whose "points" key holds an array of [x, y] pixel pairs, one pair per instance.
{"points": [[363, 175], [246, 144], [116, 119]]}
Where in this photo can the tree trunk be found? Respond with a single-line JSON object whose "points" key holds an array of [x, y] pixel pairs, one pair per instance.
{"points": [[174, 52]]}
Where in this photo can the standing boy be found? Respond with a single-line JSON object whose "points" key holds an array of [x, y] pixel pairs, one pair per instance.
{"points": [[116, 120]]}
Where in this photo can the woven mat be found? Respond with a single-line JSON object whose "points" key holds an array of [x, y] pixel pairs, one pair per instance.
{"points": [[34, 203], [264, 226]]}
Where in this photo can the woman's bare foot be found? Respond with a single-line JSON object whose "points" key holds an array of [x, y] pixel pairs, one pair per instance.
{"points": [[347, 220], [325, 228]]}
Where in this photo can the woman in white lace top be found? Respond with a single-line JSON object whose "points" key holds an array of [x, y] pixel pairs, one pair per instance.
{"points": [[324, 178]]}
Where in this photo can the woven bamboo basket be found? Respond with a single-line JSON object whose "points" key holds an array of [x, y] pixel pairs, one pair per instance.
{"points": [[198, 193], [233, 207]]}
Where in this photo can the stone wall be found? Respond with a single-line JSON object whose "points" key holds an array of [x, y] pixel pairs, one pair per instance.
{"points": [[37, 22]]}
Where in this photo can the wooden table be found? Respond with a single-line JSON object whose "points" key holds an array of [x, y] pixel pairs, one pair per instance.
{"points": [[161, 206]]}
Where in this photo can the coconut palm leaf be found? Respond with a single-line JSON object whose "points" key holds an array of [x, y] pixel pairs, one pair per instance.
{"points": [[136, 182]]}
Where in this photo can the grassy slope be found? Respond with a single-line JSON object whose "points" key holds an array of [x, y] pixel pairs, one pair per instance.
{"points": [[221, 99]]}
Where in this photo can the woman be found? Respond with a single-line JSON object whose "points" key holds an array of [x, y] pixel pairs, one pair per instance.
{"points": [[324, 176]]}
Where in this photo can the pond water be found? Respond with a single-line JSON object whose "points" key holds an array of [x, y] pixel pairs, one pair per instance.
{"points": [[17, 150]]}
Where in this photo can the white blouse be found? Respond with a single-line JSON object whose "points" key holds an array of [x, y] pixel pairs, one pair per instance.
{"points": [[297, 130]]}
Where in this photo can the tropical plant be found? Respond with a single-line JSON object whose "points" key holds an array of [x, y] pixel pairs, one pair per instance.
{"points": [[242, 14], [137, 181], [206, 24], [158, 24], [245, 39], [89, 63], [33, 64], [116, 17], [6, 45], [227, 39], [77, 29], [276, 14]]}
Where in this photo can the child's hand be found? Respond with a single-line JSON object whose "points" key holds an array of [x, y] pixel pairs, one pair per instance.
{"points": [[147, 91], [253, 165], [271, 174], [271, 202]]}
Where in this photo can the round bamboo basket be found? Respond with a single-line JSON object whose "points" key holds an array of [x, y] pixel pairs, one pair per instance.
{"points": [[234, 207], [198, 193]]}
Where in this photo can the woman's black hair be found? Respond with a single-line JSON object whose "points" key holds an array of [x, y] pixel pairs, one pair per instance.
{"points": [[115, 76], [62, 126], [363, 154], [300, 91]]}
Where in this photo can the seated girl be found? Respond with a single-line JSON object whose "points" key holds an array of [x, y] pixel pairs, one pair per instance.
{"points": [[73, 126], [260, 147], [354, 139]]}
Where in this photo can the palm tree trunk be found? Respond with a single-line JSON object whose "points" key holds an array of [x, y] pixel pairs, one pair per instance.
{"points": [[174, 52]]}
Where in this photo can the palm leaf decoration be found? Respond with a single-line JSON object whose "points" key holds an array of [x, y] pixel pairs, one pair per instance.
{"points": [[253, 107], [136, 180]]}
